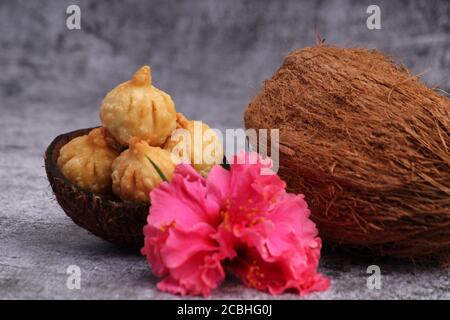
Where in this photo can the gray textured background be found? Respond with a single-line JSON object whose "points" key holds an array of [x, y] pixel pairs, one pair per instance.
{"points": [[211, 56]]}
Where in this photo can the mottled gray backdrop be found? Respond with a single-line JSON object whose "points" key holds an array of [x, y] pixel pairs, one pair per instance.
{"points": [[211, 56]]}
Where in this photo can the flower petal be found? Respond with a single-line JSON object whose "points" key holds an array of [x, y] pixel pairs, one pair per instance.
{"points": [[218, 184], [181, 244], [198, 276], [183, 201], [278, 276]]}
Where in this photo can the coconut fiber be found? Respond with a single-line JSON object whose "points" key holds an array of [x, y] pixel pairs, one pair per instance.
{"points": [[368, 144]]}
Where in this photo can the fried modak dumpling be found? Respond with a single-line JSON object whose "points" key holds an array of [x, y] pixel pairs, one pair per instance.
{"points": [[86, 161], [138, 109], [134, 176], [196, 143]]}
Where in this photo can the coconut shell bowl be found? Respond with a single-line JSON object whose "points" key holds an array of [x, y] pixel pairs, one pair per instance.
{"points": [[106, 216]]}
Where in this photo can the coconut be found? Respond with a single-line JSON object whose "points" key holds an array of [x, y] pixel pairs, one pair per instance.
{"points": [[368, 144], [105, 215]]}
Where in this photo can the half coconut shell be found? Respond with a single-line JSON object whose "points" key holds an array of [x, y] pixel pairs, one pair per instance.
{"points": [[117, 221]]}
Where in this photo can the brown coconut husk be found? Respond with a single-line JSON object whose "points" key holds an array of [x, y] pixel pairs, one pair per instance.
{"points": [[106, 216], [368, 144]]}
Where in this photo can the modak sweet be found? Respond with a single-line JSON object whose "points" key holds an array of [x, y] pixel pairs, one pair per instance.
{"points": [[126, 159], [196, 143], [86, 161], [134, 176], [136, 108]]}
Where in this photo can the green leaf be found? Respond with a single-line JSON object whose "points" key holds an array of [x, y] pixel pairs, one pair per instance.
{"points": [[161, 174]]}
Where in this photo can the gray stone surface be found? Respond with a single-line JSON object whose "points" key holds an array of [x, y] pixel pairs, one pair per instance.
{"points": [[211, 56]]}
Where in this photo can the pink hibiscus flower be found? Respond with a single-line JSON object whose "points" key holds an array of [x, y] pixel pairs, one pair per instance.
{"points": [[240, 218], [179, 237]]}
